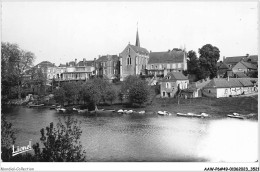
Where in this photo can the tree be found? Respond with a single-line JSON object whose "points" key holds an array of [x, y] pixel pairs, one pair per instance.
{"points": [[111, 94], [209, 55], [59, 95], [14, 63], [90, 92], [139, 92], [120, 96], [128, 83], [37, 78], [71, 91], [7, 139], [192, 62], [61, 144]]}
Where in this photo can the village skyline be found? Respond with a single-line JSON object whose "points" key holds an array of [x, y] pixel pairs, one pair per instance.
{"points": [[75, 35]]}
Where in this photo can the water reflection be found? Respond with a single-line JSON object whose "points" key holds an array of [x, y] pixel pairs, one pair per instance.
{"points": [[149, 137]]}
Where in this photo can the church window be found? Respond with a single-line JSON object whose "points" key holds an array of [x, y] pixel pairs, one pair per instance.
{"points": [[129, 62]]}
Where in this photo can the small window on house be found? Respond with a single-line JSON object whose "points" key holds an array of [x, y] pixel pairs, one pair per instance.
{"points": [[209, 91], [152, 66], [156, 67], [163, 94]]}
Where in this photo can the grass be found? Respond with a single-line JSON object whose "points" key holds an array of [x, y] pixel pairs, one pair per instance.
{"points": [[217, 108]]}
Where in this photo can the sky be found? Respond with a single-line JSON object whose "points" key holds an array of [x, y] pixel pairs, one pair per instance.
{"points": [[62, 31]]}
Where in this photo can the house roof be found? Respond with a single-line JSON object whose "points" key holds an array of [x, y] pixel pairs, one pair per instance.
{"points": [[253, 58], [240, 75], [166, 57], [105, 58], [232, 60], [232, 82], [86, 63], [139, 50], [174, 76], [248, 65], [223, 66]]}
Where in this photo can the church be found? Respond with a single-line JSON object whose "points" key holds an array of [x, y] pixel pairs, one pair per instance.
{"points": [[133, 59]]}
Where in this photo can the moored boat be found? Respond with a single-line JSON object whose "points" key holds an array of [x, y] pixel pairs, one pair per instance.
{"points": [[164, 113], [53, 107], [81, 111], [33, 105], [235, 115], [181, 114], [120, 111], [202, 115], [61, 110], [141, 112]]}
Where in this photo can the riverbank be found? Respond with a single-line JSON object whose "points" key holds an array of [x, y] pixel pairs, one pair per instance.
{"points": [[217, 108]]}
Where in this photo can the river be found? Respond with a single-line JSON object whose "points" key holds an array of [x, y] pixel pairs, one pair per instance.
{"points": [[148, 137]]}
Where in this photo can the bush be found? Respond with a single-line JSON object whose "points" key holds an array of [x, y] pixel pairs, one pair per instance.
{"points": [[139, 93], [61, 144], [111, 94]]}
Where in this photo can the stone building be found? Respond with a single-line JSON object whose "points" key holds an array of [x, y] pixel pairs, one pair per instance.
{"points": [[169, 61], [172, 83], [133, 60], [107, 66]]}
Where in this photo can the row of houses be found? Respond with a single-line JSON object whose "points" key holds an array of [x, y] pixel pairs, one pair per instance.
{"points": [[238, 66], [168, 66], [133, 60], [175, 83]]}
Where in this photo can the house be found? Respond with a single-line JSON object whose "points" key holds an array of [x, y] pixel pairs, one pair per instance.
{"points": [[48, 69], [194, 89], [232, 61], [133, 60], [222, 69], [107, 66], [75, 71], [172, 83], [172, 61], [228, 87], [244, 67], [253, 59]]}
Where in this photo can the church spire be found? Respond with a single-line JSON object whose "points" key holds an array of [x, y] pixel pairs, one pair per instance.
{"points": [[137, 43]]}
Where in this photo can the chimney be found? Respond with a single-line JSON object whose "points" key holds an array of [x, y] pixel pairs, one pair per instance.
{"points": [[150, 51], [75, 62], [84, 60], [169, 50], [224, 58], [247, 55], [95, 59]]}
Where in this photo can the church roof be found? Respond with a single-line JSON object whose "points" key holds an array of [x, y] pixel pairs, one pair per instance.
{"points": [[139, 50], [137, 43], [166, 57]]}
